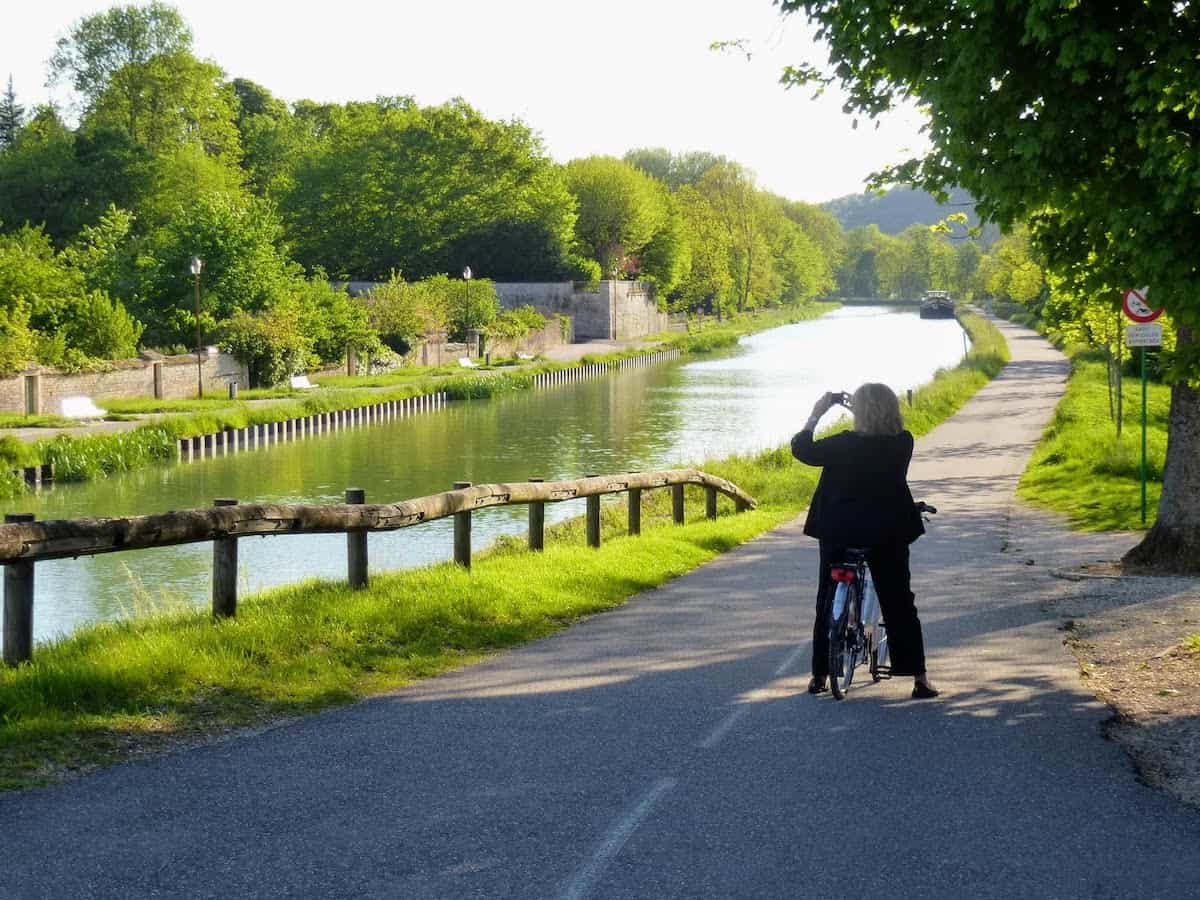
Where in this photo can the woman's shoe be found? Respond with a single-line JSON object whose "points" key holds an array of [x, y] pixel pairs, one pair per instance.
{"points": [[923, 691], [818, 685]]}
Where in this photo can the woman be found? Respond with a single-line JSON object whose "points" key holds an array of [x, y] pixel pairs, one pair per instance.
{"points": [[862, 500]]}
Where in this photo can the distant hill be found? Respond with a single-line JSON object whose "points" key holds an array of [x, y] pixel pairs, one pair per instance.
{"points": [[901, 207]]}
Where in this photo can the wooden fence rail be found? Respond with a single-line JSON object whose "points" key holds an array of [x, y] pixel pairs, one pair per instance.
{"points": [[24, 541]]}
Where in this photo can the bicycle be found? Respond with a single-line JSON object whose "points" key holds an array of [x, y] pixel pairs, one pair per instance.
{"points": [[856, 629]]}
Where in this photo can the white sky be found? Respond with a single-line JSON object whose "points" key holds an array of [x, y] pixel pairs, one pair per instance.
{"points": [[596, 77]]}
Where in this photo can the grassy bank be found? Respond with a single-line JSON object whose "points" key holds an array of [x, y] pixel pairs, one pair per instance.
{"points": [[1083, 468], [117, 689], [95, 455]]}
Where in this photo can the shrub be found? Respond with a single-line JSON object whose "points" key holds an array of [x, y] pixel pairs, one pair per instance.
{"points": [[394, 313], [17, 341], [334, 320], [272, 344], [101, 328], [514, 324]]}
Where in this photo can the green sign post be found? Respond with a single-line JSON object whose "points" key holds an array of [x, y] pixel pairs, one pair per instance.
{"points": [[1142, 334], [1143, 350]]}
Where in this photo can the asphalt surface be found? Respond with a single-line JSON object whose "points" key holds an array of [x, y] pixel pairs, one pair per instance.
{"points": [[668, 749]]}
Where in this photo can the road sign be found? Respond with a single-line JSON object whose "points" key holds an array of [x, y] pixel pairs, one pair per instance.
{"points": [[1133, 301], [1144, 335]]}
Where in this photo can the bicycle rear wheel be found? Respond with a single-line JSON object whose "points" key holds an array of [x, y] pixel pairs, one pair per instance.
{"points": [[843, 642]]}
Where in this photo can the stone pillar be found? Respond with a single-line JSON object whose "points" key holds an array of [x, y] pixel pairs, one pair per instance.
{"points": [[33, 394]]}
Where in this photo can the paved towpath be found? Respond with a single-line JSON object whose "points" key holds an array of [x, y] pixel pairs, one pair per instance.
{"points": [[667, 749]]}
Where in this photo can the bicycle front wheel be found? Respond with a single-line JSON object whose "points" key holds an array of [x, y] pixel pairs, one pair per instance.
{"points": [[843, 642]]}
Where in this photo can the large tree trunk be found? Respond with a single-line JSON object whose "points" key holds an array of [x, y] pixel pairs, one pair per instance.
{"points": [[1173, 543]]}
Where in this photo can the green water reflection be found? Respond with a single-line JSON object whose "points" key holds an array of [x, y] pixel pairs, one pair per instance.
{"points": [[637, 419]]}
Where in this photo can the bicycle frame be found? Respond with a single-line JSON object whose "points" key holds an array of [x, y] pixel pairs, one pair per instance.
{"points": [[863, 634], [856, 626]]}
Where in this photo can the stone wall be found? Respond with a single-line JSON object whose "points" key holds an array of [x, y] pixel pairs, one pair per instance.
{"points": [[170, 377], [634, 309], [533, 343], [605, 311], [609, 310]]}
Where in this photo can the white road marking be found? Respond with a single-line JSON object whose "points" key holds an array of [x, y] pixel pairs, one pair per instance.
{"points": [[789, 662], [723, 728], [586, 877]]}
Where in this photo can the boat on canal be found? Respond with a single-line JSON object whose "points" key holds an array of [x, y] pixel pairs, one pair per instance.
{"points": [[937, 305]]}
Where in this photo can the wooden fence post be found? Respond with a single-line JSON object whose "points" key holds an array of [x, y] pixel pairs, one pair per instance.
{"points": [[537, 522], [356, 545], [593, 519], [635, 510], [18, 605], [225, 556], [462, 532], [710, 502], [677, 503]]}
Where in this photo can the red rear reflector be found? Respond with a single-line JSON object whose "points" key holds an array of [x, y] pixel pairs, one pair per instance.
{"points": [[846, 575]]}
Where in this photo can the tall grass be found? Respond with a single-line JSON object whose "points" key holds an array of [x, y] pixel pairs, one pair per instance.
{"points": [[153, 682]]}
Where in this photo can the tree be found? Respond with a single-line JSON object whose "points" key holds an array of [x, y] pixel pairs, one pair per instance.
{"points": [[967, 256], [271, 138], [12, 116], [39, 176], [798, 270], [170, 100], [390, 186], [621, 208], [245, 269], [858, 275], [1079, 118], [666, 259], [33, 276], [107, 259], [824, 230], [124, 38], [708, 284], [730, 191], [673, 169]]}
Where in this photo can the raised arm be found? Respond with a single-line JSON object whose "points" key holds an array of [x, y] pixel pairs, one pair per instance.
{"points": [[808, 450]]}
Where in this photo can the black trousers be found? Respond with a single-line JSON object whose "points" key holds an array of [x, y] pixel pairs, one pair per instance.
{"points": [[889, 571]]}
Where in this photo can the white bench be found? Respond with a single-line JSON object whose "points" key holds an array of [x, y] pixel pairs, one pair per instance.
{"points": [[80, 408], [524, 356], [465, 362], [301, 383]]}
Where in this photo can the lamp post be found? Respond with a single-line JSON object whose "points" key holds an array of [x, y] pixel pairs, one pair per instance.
{"points": [[196, 266], [467, 303]]}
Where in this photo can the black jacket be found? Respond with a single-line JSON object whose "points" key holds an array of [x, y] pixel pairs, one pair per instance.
{"points": [[862, 498]]}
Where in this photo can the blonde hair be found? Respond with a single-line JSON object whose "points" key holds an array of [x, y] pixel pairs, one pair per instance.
{"points": [[876, 410]]}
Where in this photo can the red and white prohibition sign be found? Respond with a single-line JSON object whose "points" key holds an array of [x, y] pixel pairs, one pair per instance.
{"points": [[1133, 302]]}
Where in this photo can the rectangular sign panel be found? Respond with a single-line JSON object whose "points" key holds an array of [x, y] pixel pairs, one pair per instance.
{"points": [[1143, 335]]}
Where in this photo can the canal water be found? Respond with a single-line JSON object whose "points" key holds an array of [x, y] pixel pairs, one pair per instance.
{"points": [[637, 419]]}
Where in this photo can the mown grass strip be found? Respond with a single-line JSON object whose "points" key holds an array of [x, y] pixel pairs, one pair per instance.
{"points": [[160, 681], [1083, 468]]}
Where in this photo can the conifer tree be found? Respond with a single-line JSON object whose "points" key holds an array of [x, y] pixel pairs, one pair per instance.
{"points": [[12, 116]]}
